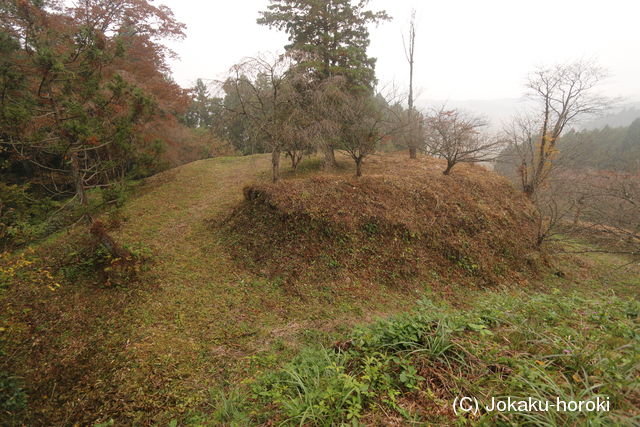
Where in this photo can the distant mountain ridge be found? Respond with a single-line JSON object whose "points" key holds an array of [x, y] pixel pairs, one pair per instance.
{"points": [[499, 111], [621, 116]]}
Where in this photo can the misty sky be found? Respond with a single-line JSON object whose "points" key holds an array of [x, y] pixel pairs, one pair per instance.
{"points": [[465, 49]]}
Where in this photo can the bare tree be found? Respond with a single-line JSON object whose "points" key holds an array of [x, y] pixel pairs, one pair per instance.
{"points": [[361, 128], [266, 97], [301, 131], [300, 140], [562, 94], [558, 209], [456, 137], [413, 121], [358, 121], [301, 134]]}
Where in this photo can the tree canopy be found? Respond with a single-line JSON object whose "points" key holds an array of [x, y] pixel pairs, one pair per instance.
{"points": [[331, 37], [86, 98]]}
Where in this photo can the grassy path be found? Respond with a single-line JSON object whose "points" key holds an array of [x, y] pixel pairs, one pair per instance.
{"points": [[204, 322]]}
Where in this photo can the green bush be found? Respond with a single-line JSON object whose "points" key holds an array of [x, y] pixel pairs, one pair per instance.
{"points": [[22, 215], [116, 194]]}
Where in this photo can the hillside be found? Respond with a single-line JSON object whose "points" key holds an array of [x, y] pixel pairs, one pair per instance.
{"points": [[205, 313], [621, 116], [404, 221], [282, 231]]}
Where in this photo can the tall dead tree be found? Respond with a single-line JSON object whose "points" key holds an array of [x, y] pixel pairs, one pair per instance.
{"points": [[409, 50]]}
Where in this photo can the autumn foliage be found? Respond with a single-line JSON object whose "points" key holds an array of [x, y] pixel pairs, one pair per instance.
{"points": [[87, 100], [88, 97]]}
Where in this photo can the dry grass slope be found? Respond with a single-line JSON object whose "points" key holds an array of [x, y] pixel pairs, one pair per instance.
{"points": [[402, 221]]}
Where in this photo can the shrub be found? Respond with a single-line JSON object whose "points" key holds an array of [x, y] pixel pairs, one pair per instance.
{"points": [[116, 194], [22, 215]]}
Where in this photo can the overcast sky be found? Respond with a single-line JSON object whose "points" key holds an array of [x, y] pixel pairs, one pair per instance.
{"points": [[465, 49]]}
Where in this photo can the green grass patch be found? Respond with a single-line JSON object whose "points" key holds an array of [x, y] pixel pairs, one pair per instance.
{"points": [[411, 367]]}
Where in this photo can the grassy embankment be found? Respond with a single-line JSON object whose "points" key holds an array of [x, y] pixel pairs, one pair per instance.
{"points": [[192, 338], [575, 338]]}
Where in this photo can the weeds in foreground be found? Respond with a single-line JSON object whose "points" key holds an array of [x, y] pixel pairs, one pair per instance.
{"points": [[547, 347]]}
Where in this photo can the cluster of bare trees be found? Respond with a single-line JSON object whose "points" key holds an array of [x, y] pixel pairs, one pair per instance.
{"points": [[600, 205], [609, 207], [452, 134], [303, 102], [298, 115]]}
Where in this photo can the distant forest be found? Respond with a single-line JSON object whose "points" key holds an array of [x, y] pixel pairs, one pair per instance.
{"points": [[614, 149], [622, 117], [609, 148]]}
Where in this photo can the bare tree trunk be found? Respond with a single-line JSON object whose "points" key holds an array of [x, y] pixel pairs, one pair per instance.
{"points": [[295, 160], [329, 157], [77, 179], [96, 228], [578, 213], [275, 165], [359, 166], [542, 231], [78, 183], [448, 169], [409, 52], [528, 190], [100, 233]]}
